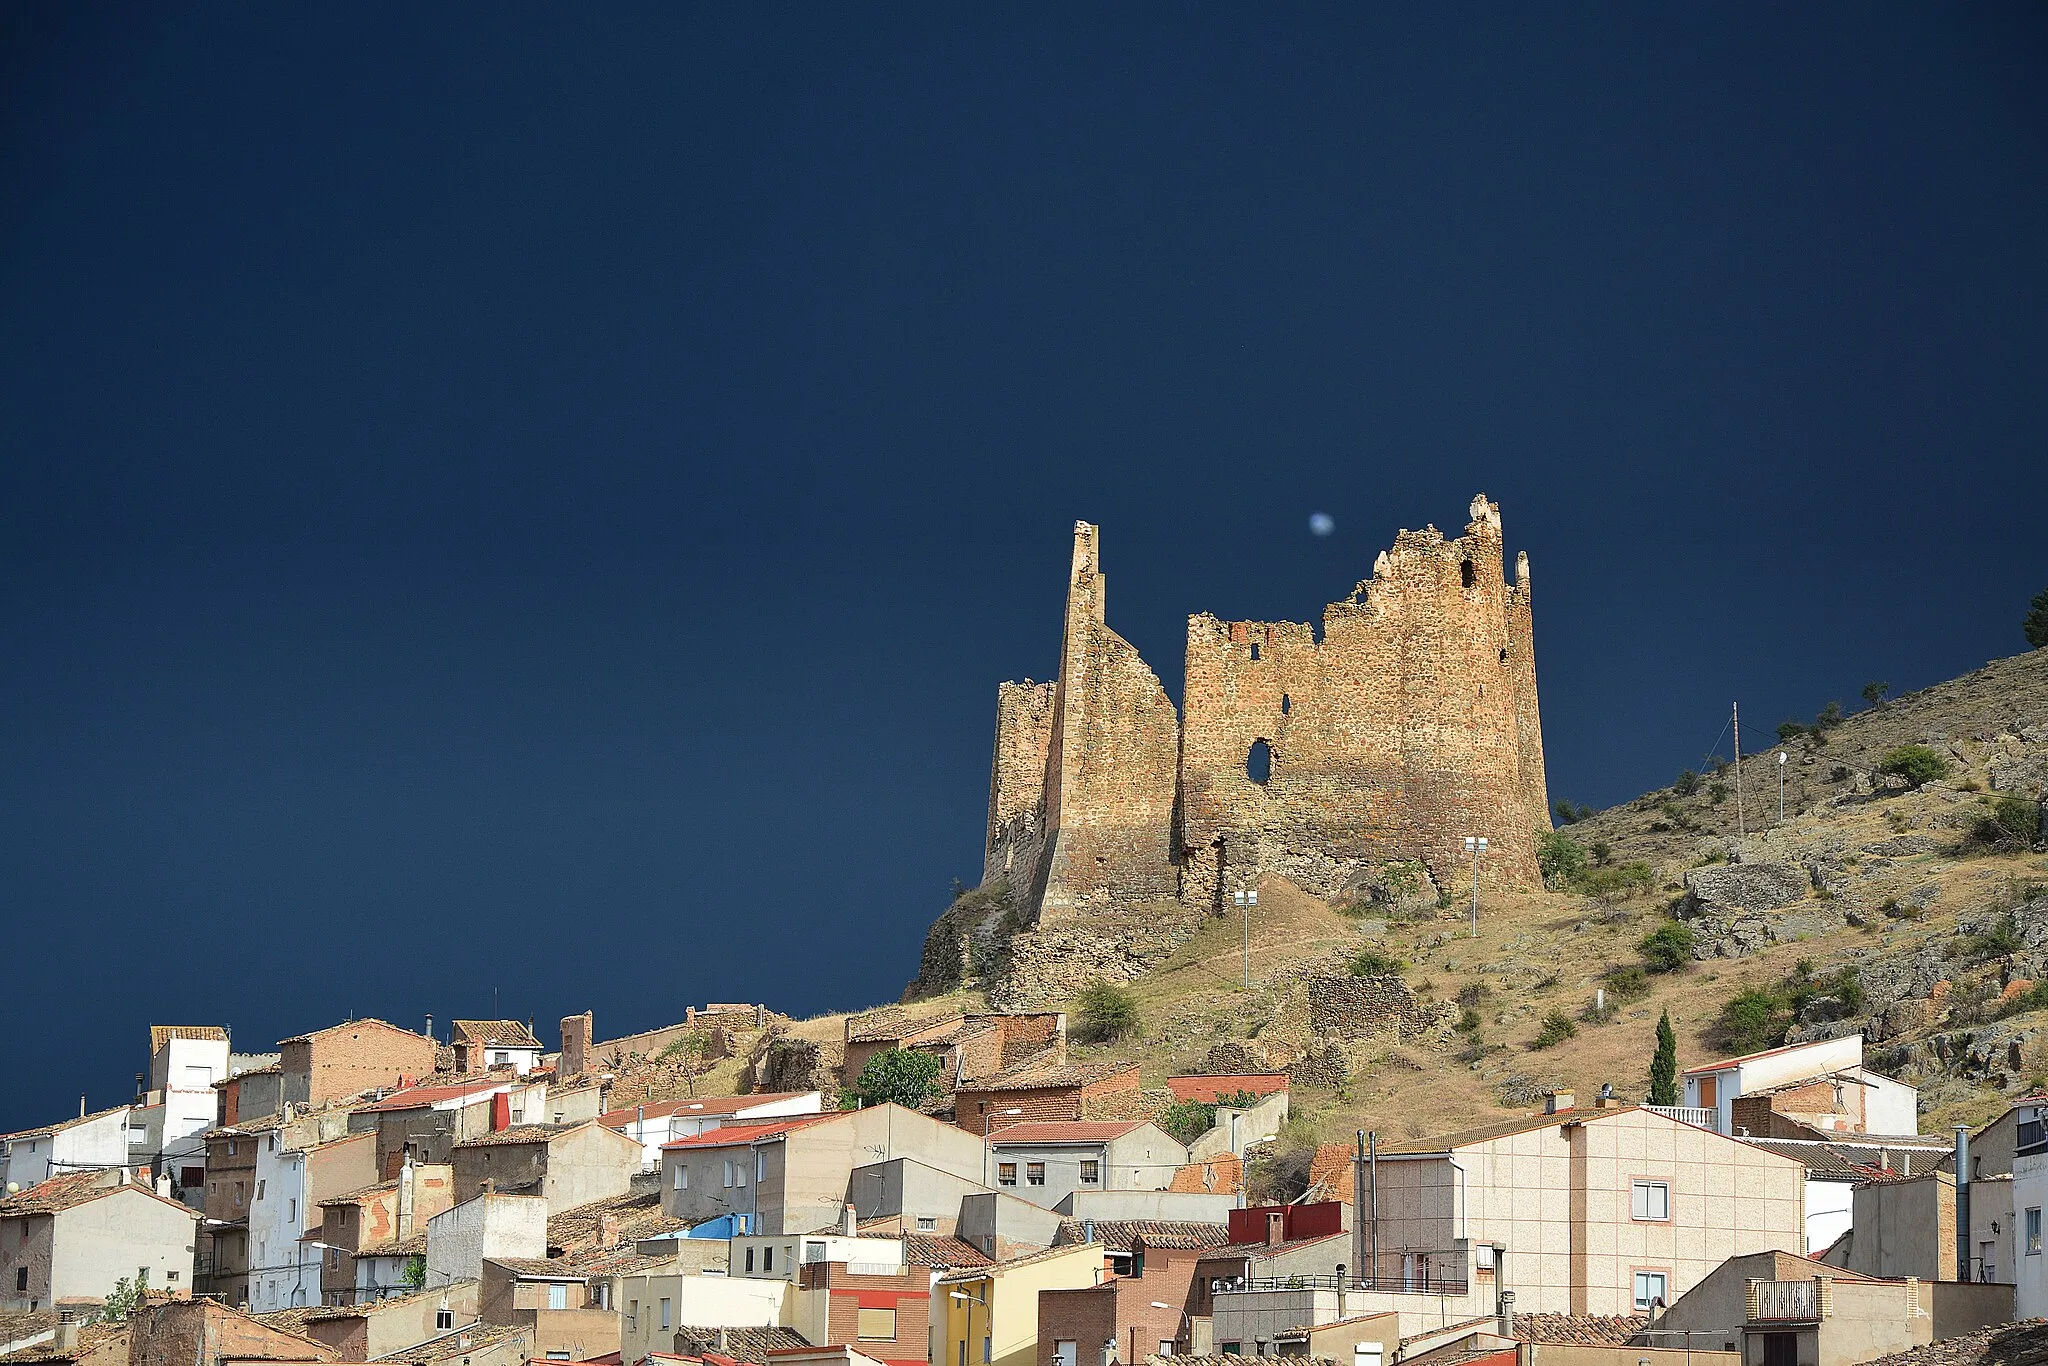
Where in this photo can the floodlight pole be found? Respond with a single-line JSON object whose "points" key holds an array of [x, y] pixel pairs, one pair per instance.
{"points": [[1781, 787], [1475, 845], [1247, 900]]}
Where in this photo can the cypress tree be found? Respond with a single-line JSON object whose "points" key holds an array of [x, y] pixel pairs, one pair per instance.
{"points": [[1664, 1066]]}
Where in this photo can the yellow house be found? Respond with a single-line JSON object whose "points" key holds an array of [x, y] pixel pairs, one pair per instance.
{"points": [[988, 1315]]}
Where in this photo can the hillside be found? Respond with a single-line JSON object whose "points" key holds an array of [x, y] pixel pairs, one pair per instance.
{"points": [[1883, 881]]}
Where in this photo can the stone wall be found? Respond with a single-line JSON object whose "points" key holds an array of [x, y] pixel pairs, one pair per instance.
{"points": [[1411, 723], [1374, 1008]]}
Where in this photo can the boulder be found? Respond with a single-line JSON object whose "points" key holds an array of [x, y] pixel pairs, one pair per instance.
{"points": [[1901, 846], [1737, 889], [1403, 888]]}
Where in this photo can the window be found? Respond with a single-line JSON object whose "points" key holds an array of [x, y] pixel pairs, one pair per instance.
{"points": [[760, 1166], [682, 1177], [559, 1354], [728, 1171], [273, 1143], [231, 1147], [632, 1316], [558, 1296], [21, 1278], [1255, 652], [927, 1224], [1006, 1173], [876, 1325], [1258, 762], [334, 1256], [740, 1172], [171, 1275], [768, 1258], [1286, 704], [2034, 1232], [1067, 1352], [1034, 1174], [664, 1313], [1651, 1289], [1091, 1172], [1649, 1200], [750, 1261], [1466, 574], [1165, 1347], [259, 1188], [293, 1215], [1231, 1349], [444, 1319], [500, 1058]]}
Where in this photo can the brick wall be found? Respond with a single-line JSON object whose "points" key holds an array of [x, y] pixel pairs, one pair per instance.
{"points": [[181, 1332], [909, 1295], [351, 1058]]}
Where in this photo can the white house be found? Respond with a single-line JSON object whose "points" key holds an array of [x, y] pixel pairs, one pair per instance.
{"points": [[2029, 1199], [95, 1142], [291, 1181], [184, 1063], [664, 1121], [486, 1225], [1823, 1085], [70, 1240], [484, 1044]]}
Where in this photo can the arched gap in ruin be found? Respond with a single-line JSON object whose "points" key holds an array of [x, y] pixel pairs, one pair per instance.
{"points": [[1467, 573], [1258, 764]]}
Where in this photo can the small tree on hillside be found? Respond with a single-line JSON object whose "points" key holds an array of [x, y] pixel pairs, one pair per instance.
{"points": [[1917, 764], [903, 1076], [2036, 624], [1664, 1064], [1875, 693]]}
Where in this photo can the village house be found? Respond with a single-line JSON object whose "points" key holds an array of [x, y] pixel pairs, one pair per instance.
{"points": [[1906, 1226], [182, 1332], [1836, 1166], [224, 1236], [1123, 1242], [1149, 1308], [657, 1122], [550, 1298], [481, 1045], [793, 1175], [45, 1339], [1823, 1085], [167, 1131], [489, 1224], [428, 1121], [91, 1142], [1780, 1309], [478, 1344], [989, 1314], [566, 1165], [1048, 1092], [364, 1332], [1046, 1163], [67, 1241], [249, 1094], [360, 1222], [299, 1164], [349, 1059], [665, 1312], [2029, 1198]]}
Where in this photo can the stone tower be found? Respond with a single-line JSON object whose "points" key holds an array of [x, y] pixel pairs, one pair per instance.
{"points": [[1410, 723]]}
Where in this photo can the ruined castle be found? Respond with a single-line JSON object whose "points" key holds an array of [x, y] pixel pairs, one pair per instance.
{"points": [[1410, 724]]}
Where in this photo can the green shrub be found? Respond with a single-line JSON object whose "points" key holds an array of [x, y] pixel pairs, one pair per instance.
{"points": [[1670, 811], [1874, 693], [1108, 1012], [1468, 1021], [2002, 940], [1687, 784], [1617, 884], [1917, 764], [1187, 1120], [1830, 717], [1668, 948], [2009, 823], [1472, 993], [1788, 731], [1602, 852], [1372, 962], [1570, 813], [1626, 983], [1752, 1021], [1555, 1029], [2036, 623], [1559, 857], [1717, 793]]}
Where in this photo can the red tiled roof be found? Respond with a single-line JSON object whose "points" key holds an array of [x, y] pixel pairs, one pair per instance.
{"points": [[48, 1129], [159, 1035], [735, 1135], [1052, 1133], [702, 1105], [1206, 1089], [417, 1097], [1581, 1330], [1037, 1074]]}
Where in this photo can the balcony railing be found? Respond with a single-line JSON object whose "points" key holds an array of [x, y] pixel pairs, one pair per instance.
{"points": [[1385, 1285], [1705, 1117], [1786, 1302]]}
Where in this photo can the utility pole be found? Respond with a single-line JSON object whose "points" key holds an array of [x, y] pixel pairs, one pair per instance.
{"points": [[1247, 900], [1741, 831], [1475, 845]]}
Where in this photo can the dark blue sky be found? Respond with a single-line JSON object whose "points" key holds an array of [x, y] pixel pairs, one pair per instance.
{"points": [[505, 499]]}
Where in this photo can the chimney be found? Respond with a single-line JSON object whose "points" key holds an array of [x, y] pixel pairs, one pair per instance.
{"points": [[81, 1105], [1556, 1102], [67, 1335], [487, 1186], [163, 1185], [430, 1026], [501, 1112], [607, 1230], [723, 1348], [849, 1220]]}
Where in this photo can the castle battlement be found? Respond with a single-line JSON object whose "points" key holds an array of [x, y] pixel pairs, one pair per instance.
{"points": [[1409, 723]]}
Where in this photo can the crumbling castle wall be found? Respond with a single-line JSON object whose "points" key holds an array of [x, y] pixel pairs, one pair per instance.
{"points": [[1409, 724]]}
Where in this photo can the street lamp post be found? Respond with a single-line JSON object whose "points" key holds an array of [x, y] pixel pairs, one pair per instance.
{"points": [[1781, 787], [1247, 900], [1475, 845], [986, 1116]]}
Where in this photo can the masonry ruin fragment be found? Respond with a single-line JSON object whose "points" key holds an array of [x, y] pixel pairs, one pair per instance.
{"points": [[1409, 724]]}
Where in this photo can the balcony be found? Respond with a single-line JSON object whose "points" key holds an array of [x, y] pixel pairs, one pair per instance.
{"points": [[1700, 1116], [1417, 1284], [1787, 1301]]}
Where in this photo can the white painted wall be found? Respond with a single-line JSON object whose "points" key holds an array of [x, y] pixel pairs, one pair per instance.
{"points": [[284, 1273], [100, 1242], [493, 1225], [700, 1301], [1828, 1212]]}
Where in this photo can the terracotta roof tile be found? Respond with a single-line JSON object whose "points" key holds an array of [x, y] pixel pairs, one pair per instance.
{"points": [[1583, 1330], [1039, 1075], [701, 1105], [1119, 1234], [49, 1129], [502, 1033], [92, 1337], [942, 1253], [521, 1133], [734, 1135], [461, 1341], [159, 1035], [73, 1189], [744, 1344]]}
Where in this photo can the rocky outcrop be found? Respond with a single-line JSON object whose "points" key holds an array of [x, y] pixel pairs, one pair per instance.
{"points": [[1046, 964], [1351, 1008], [783, 1062], [1740, 908]]}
